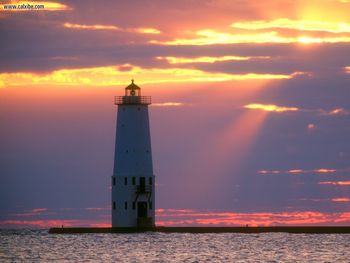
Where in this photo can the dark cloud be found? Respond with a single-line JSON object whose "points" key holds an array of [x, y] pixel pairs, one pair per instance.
{"points": [[37, 41]]}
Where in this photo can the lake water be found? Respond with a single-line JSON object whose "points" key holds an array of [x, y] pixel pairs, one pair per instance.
{"points": [[39, 246]]}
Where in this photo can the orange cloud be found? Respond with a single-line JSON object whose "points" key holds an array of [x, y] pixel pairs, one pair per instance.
{"points": [[269, 107], [213, 37], [311, 126], [32, 212], [53, 223], [168, 104], [301, 171], [141, 30], [172, 210], [302, 25], [146, 30], [341, 183], [39, 210], [268, 172], [323, 170], [183, 60], [180, 218], [341, 200], [21, 6], [295, 171], [92, 27], [115, 75], [97, 208], [337, 111]]}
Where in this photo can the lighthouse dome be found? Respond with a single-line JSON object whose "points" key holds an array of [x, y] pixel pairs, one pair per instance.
{"points": [[132, 86]]}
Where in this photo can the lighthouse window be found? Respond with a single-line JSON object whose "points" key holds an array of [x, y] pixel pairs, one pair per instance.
{"points": [[133, 205], [113, 178], [133, 180], [125, 180], [114, 206], [150, 180], [150, 205], [126, 205]]}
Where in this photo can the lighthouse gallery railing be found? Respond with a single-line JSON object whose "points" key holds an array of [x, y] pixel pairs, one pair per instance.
{"points": [[136, 100]]}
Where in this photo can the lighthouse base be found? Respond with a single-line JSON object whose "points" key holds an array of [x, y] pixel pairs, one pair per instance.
{"points": [[145, 222]]}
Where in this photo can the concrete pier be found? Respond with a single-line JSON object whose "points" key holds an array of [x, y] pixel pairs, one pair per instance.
{"points": [[251, 230]]}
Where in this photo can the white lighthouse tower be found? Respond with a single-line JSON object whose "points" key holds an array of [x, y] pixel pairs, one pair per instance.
{"points": [[133, 180]]}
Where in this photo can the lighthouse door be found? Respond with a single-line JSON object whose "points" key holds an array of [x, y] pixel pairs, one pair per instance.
{"points": [[141, 209], [142, 184]]}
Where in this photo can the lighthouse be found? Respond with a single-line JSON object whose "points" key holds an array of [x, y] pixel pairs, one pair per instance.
{"points": [[133, 179]]}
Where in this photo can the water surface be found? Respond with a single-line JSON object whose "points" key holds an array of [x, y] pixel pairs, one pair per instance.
{"points": [[38, 245]]}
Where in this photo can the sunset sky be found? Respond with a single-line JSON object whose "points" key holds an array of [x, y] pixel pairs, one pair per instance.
{"points": [[250, 120]]}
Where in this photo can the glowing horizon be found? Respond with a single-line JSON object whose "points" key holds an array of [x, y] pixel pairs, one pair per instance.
{"points": [[190, 217]]}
